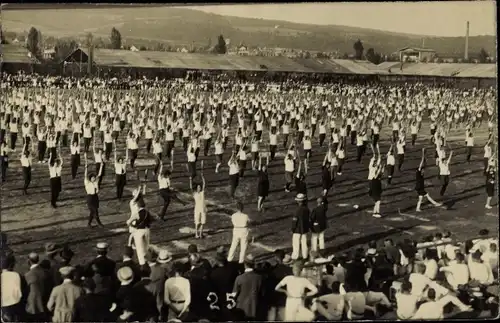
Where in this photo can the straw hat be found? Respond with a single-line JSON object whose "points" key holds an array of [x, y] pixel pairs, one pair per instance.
{"points": [[287, 260], [66, 271], [125, 275], [164, 257], [51, 248], [300, 197]]}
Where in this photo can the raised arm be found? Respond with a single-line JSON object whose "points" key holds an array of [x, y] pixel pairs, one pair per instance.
{"points": [[449, 157], [114, 146], [85, 178], [422, 161]]}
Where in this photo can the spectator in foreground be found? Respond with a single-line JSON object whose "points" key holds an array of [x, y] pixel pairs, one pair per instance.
{"points": [[13, 291], [91, 307], [432, 309], [330, 307], [63, 297], [40, 286], [248, 290]]}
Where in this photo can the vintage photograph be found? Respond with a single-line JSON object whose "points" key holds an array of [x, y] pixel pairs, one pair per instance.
{"points": [[249, 162]]}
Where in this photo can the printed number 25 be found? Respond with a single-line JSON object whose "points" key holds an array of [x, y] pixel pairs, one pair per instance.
{"points": [[213, 299], [231, 303]]}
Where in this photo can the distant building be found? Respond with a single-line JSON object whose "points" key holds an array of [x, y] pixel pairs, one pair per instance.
{"points": [[49, 53], [242, 50], [184, 50], [413, 54], [134, 49]]}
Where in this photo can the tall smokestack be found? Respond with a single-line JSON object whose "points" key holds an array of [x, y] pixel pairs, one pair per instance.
{"points": [[466, 57]]}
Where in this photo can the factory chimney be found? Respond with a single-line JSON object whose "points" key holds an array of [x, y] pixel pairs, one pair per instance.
{"points": [[466, 56]]}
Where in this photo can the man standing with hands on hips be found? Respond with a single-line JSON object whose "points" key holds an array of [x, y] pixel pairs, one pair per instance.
{"points": [[300, 228]]}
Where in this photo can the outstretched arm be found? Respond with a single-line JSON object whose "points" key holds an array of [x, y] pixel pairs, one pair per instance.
{"points": [[422, 161]]}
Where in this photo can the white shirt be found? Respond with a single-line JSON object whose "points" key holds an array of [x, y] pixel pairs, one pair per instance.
{"points": [[406, 305], [391, 160], [199, 201], [239, 220], [120, 168], [25, 161], [233, 168], [218, 148], [296, 286], [289, 165], [163, 182], [444, 169], [273, 140], [480, 272], [429, 311], [11, 288], [307, 144], [55, 171], [74, 149], [91, 187], [419, 283], [456, 274]]}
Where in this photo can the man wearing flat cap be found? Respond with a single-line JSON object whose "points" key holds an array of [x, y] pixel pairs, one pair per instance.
{"points": [[63, 297], [40, 285], [248, 290]]}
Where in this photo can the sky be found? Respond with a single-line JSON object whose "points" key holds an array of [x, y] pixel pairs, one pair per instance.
{"points": [[440, 18]]}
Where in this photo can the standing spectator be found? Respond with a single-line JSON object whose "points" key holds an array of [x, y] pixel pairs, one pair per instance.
{"points": [[248, 290], [355, 271], [296, 287], [106, 266], [13, 291], [223, 276], [393, 254], [91, 307], [145, 298], [194, 256], [280, 271], [63, 297], [51, 263], [165, 261], [177, 296], [124, 295], [40, 285], [300, 228], [127, 261]]}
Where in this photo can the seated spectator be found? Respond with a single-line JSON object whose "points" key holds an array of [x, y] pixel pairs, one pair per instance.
{"points": [[484, 242], [355, 306], [457, 272], [420, 282], [330, 307], [431, 263], [490, 257], [406, 302], [479, 271], [393, 255], [432, 309], [355, 272]]}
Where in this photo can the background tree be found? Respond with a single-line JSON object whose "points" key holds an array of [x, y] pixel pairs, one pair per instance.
{"points": [[64, 47], [33, 43], [116, 39], [2, 37], [483, 56], [89, 40], [221, 47], [373, 56], [358, 49]]}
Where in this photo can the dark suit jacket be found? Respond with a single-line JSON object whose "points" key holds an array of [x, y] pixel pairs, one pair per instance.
{"points": [[318, 219], [92, 308], [249, 289], [52, 265], [40, 285], [106, 266]]}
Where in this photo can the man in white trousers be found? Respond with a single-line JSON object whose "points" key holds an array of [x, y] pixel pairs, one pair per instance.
{"points": [[240, 222], [297, 288], [300, 228]]}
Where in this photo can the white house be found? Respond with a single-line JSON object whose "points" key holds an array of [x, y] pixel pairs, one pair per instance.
{"points": [[49, 53], [184, 50], [134, 49]]}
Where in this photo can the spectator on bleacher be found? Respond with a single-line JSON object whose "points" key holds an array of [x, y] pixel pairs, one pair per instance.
{"points": [[479, 271], [406, 302], [457, 272], [248, 289], [393, 254], [431, 263], [330, 306], [432, 309], [355, 270], [490, 257]]}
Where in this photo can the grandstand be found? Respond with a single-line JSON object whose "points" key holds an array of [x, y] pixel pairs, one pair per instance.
{"points": [[16, 58]]}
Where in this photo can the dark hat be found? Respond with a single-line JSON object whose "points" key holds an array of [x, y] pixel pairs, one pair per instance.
{"points": [[151, 256], [67, 253]]}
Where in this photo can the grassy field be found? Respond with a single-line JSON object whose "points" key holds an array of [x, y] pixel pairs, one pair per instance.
{"points": [[182, 26], [30, 222]]}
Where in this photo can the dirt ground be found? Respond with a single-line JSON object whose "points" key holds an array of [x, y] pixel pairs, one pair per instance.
{"points": [[30, 222]]}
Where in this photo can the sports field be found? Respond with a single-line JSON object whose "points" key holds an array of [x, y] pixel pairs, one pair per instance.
{"points": [[30, 222]]}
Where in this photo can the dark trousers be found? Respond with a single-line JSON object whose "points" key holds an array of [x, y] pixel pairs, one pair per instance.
{"points": [[133, 157], [27, 178], [55, 189], [108, 148], [75, 162], [390, 172], [469, 153], [445, 181], [401, 159], [13, 140], [93, 205], [42, 147], [121, 181], [86, 144], [272, 149], [233, 183], [158, 162], [322, 137], [206, 147], [149, 142], [413, 139], [285, 140], [4, 161]]}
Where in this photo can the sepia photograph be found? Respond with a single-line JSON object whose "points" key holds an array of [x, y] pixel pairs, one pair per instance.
{"points": [[206, 162]]}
